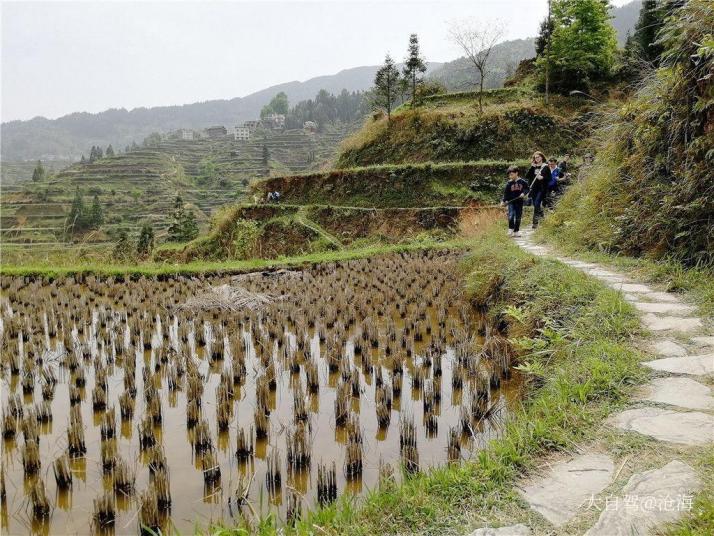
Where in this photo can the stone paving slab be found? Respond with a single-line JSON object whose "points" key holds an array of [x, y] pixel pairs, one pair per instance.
{"points": [[559, 495], [703, 341], [671, 323], [694, 365], [677, 391], [636, 288], [668, 348], [662, 297], [664, 307], [685, 428], [648, 500], [513, 530]]}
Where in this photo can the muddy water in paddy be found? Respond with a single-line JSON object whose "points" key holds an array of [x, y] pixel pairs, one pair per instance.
{"points": [[322, 363]]}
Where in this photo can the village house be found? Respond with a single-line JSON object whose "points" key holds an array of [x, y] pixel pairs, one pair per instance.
{"points": [[218, 131], [274, 121], [241, 133], [185, 134], [251, 125]]}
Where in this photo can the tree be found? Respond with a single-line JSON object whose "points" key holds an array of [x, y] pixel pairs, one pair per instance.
{"points": [[414, 66], [95, 217], [122, 248], [183, 225], [386, 86], [39, 172], [583, 45], [145, 244], [546, 29], [76, 220], [649, 24], [476, 41], [110, 150], [82, 160], [279, 103], [266, 156]]}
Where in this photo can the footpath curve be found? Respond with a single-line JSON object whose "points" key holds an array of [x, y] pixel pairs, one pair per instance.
{"points": [[675, 407]]}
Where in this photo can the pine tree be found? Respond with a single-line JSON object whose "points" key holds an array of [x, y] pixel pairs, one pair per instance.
{"points": [[76, 219], [110, 150], [183, 225], [145, 245], [122, 248], [414, 66], [652, 15], [546, 29], [92, 154], [386, 86], [266, 156], [95, 218], [39, 172], [189, 226]]}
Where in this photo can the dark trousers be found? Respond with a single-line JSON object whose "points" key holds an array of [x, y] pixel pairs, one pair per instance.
{"points": [[538, 199], [515, 211]]}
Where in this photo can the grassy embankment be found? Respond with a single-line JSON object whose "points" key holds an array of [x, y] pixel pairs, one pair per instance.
{"points": [[575, 340], [51, 268], [448, 128]]}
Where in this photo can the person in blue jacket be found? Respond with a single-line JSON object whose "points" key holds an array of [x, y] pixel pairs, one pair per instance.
{"points": [[556, 175], [514, 193]]}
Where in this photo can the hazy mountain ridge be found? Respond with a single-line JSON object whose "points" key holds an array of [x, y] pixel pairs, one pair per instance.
{"points": [[70, 136]]}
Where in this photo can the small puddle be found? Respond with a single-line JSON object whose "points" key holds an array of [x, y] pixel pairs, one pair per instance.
{"points": [[353, 371]]}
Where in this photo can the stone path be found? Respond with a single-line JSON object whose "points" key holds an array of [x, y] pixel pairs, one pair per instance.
{"points": [[676, 409]]}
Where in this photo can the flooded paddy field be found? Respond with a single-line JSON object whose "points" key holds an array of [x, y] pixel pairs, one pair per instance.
{"points": [[175, 403]]}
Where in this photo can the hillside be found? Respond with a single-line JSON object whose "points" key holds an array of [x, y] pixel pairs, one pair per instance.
{"points": [[408, 185], [649, 192], [142, 185], [450, 127]]}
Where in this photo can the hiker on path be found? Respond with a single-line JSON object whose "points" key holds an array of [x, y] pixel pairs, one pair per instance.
{"points": [[538, 177], [557, 175], [513, 196]]}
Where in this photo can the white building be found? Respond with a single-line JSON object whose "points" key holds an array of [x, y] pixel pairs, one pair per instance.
{"points": [[274, 121], [186, 134], [241, 133]]}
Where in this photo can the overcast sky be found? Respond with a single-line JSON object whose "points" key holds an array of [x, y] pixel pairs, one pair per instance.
{"points": [[62, 57]]}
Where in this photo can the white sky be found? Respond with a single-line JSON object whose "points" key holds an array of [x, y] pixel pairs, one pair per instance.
{"points": [[62, 57]]}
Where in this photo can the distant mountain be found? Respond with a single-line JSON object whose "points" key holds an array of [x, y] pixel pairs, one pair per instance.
{"points": [[460, 74], [67, 137], [72, 135], [624, 19]]}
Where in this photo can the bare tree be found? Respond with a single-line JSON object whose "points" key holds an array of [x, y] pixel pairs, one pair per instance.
{"points": [[476, 40]]}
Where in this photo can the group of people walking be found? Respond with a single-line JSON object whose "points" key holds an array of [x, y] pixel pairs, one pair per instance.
{"points": [[540, 186]]}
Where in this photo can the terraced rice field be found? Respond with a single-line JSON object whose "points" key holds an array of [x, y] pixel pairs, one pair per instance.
{"points": [[141, 186], [183, 401]]}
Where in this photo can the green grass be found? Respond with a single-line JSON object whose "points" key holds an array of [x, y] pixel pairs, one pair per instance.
{"points": [[575, 340], [72, 266], [672, 274], [453, 128], [424, 184]]}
